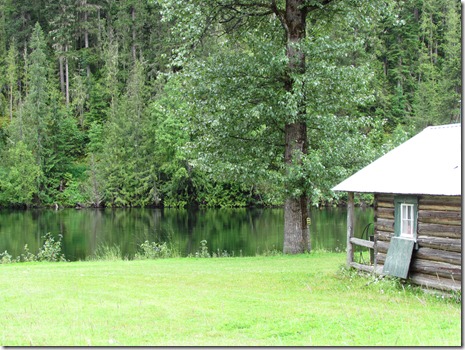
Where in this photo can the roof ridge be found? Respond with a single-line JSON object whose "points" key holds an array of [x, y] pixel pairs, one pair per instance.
{"points": [[445, 126]]}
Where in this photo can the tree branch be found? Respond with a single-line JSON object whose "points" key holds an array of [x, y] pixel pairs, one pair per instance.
{"points": [[281, 15]]}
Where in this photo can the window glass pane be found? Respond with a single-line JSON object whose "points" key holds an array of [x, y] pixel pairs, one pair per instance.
{"points": [[406, 221], [403, 217]]}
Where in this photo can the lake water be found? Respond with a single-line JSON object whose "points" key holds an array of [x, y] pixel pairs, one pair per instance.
{"points": [[245, 232]]}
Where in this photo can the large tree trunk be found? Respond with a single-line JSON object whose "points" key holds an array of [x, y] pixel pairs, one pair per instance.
{"points": [[296, 230], [296, 233]]}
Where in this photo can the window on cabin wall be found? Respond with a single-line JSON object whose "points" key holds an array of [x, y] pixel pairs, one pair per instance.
{"points": [[406, 220], [405, 215]]}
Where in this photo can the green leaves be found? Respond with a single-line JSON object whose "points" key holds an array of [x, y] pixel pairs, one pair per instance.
{"points": [[122, 147], [175, 102], [238, 102], [19, 176]]}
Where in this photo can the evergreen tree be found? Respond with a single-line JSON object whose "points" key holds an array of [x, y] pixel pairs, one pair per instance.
{"points": [[125, 160], [62, 28], [69, 95], [399, 57], [36, 103], [12, 78], [61, 141], [44, 125], [438, 91], [88, 26], [19, 175]]}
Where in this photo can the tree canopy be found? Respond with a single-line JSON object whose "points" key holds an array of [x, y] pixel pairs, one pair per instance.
{"points": [[221, 103]]}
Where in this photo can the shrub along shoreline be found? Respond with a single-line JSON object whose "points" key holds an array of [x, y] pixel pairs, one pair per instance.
{"points": [[51, 252]]}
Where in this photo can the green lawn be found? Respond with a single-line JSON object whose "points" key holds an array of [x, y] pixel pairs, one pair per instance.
{"points": [[280, 300]]}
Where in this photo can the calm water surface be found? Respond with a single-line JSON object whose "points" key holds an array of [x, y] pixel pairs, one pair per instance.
{"points": [[238, 231]]}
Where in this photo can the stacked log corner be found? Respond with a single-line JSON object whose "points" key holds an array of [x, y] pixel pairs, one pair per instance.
{"points": [[437, 262]]}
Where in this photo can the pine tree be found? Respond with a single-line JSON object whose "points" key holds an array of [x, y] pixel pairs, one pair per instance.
{"points": [[451, 73], [19, 176], [437, 94], [125, 159], [12, 78], [36, 103], [62, 23]]}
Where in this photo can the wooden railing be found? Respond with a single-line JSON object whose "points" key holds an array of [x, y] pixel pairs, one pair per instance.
{"points": [[363, 243], [351, 240]]}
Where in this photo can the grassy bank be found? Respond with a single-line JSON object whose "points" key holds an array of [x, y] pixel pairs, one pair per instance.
{"points": [[277, 300]]}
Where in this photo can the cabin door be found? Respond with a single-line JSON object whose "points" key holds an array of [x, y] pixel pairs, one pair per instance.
{"points": [[400, 250]]}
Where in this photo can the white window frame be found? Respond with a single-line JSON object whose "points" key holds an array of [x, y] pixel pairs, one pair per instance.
{"points": [[403, 205], [407, 223]]}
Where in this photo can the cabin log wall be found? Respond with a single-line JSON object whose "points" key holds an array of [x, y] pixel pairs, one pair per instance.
{"points": [[437, 262]]}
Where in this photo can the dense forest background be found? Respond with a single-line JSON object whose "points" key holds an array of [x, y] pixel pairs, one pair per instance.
{"points": [[103, 104]]}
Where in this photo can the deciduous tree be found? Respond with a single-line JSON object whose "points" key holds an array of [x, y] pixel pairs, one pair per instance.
{"points": [[267, 77]]}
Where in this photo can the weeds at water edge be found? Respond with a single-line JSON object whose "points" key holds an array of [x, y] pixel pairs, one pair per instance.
{"points": [[50, 251]]}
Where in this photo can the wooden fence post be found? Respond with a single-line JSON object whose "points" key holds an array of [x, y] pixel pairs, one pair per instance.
{"points": [[350, 228]]}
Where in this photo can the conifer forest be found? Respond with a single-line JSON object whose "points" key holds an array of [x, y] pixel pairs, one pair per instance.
{"points": [[222, 103]]}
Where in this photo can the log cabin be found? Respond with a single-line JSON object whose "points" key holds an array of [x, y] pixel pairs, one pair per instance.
{"points": [[417, 210]]}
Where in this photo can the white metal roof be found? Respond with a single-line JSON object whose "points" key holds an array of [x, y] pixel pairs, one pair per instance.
{"points": [[428, 163]]}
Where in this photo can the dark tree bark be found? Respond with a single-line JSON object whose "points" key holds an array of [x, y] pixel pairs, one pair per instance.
{"points": [[293, 20], [296, 233]]}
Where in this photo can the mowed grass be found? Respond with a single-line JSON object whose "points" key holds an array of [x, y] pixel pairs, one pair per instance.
{"points": [[277, 300]]}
